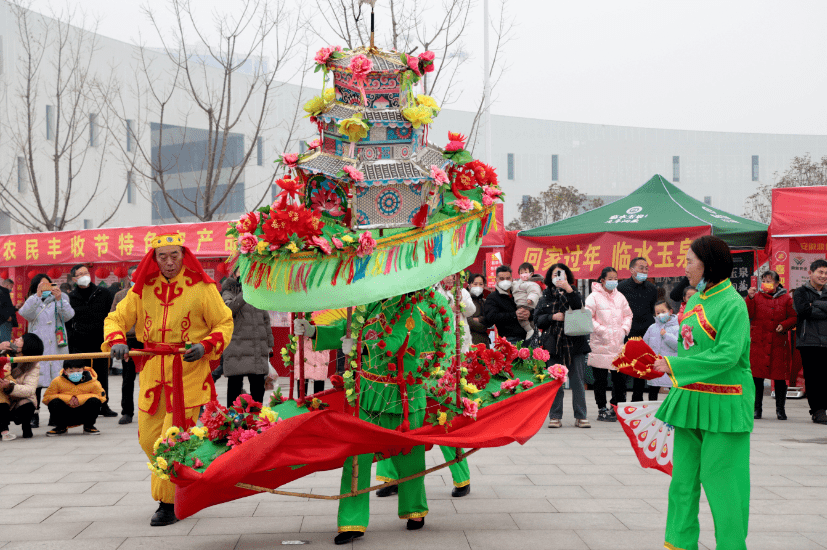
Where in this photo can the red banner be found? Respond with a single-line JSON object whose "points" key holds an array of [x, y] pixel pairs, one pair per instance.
{"points": [[496, 231], [586, 255], [791, 258], [121, 244]]}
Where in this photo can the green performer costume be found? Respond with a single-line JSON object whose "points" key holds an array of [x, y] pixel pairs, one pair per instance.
{"points": [[416, 321], [460, 473], [711, 408]]}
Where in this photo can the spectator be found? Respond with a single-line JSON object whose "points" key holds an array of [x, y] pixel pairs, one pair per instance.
{"points": [[479, 330], [811, 305], [688, 292], [771, 316], [678, 293], [65, 288], [91, 304], [527, 293], [20, 388], [558, 297], [128, 373], [8, 313], [446, 288], [612, 321], [641, 295], [249, 349], [662, 337], [47, 310], [316, 367], [74, 399], [501, 310]]}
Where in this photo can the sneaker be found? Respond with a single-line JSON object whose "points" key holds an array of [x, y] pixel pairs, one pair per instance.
{"points": [[35, 423], [8, 436], [582, 423], [91, 431], [606, 415], [555, 423], [56, 431]]}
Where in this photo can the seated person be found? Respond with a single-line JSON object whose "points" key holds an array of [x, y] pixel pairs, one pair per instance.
{"points": [[17, 389], [74, 399]]}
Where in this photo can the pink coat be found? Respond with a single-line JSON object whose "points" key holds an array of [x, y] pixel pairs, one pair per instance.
{"points": [[612, 320]]}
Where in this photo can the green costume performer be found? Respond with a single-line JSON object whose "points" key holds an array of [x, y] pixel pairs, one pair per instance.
{"points": [[711, 408], [417, 321], [460, 473]]}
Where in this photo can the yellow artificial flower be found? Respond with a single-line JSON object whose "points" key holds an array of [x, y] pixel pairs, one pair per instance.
{"points": [[418, 116], [478, 401], [463, 381], [477, 205], [200, 433], [315, 106], [268, 414], [172, 431], [443, 418], [165, 477], [329, 95], [347, 239], [354, 128], [292, 247], [427, 101], [316, 402], [470, 388], [349, 393], [262, 246], [540, 377], [151, 467], [162, 463]]}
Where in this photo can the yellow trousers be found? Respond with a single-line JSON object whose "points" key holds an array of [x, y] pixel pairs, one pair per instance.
{"points": [[150, 428]]}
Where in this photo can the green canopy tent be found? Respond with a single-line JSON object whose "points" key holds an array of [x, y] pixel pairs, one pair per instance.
{"points": [[657, 221]]}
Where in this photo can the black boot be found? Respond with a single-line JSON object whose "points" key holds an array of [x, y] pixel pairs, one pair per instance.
{"points": [[415, 525], [347, 536], [780, 401], [388, 491], [458, 492], [164, 515], [757, 412], [35, 422]]}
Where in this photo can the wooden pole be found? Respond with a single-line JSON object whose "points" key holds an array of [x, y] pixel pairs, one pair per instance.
{"points": [[70, 356]]}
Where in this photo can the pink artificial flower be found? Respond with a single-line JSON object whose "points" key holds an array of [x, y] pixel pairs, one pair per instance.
{"points": [[291, 160], [247, 243], [197, 463], [360, 66], [463, 205], [558, 371], [456, 142], [427, 59], [509, 385], [688, 339], [239, 436], [541, 355], [470, 408], [493, 191], [366, 244], [413, 64], [185, 436], [321, 243], [524, 353], [326, 200], [355, 174], [323, 55], [487, 200], [527, 384], [495, 394], [438, 174], [314, 144], [337, 242]]}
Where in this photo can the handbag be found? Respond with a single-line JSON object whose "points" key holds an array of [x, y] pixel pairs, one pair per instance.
{"points": [[60, 330], [578, 322]]}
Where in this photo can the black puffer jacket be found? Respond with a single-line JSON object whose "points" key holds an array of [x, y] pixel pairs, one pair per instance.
{"points": [[554, 339], [91, 306], [501, 311], [811, 307]]}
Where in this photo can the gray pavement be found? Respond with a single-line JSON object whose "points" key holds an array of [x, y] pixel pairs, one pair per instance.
{"points": [[566, 489]]}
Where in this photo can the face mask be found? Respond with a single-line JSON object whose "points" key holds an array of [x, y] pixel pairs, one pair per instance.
{"points": [[75, 376], [701, 285], [641, 277], [504, 285], [84, 281], [476, 290], [663, 317], [131, 284], [45, 294], [768, 287], [525, 276], [610, 285]]}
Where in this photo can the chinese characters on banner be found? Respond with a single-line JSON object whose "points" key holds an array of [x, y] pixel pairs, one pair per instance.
{"points": [[127, 244], [493, 260], [586, 255], [798, 256], [742, 269]]}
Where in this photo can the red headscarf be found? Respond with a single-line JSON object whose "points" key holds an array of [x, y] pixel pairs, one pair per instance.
{"points": [[148, 269]]}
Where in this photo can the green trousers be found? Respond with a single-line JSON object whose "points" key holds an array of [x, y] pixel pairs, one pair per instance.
{"points": [[354, 512], [719, 462], [386, 471]]}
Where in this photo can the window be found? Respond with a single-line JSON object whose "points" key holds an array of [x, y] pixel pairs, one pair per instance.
{"points": [[526, 198], [554, 173], [130, 196], [511, 166], [22, 175], [708, 200], [676, 169], [260, 151], [87, 224], [129, 135], [93, 130], [754, 167], [50, 122]]}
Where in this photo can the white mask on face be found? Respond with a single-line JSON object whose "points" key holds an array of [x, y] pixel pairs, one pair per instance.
{"points": [[476, 290], [504, 285], [84, 281], [525, 276]]}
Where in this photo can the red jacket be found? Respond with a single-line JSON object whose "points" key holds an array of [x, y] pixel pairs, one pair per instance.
{"points": [[770, 352]]}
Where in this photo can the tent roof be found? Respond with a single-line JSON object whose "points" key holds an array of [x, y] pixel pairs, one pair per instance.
{"points": [[658, 204], [799, 212]]}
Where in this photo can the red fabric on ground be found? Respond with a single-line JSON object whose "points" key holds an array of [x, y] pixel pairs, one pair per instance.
{"points": [[322, 440]]}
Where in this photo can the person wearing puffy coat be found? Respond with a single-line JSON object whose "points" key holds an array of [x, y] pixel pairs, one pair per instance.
{"points": [[612, 319], [771, 316]]}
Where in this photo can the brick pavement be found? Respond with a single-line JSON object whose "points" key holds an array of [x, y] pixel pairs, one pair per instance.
{"points": [[565, 489]]}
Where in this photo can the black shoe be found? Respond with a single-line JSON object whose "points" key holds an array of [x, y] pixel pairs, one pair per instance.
{"points": [[27, 432], [116, 371], [164, 515], [458, 492], [107, 412], [820, 417], [606, 415], [125, 419], [91, 430], [388, 491], [757, 414], [415, 525], [347, 536], [35, 423], [781, 413], [56, 431]]}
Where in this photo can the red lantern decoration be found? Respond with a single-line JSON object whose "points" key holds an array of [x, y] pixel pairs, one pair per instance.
{"points": [[221, 269], [102, 273], [4, 274], [54, 273], [31, 273], [120, 272]]}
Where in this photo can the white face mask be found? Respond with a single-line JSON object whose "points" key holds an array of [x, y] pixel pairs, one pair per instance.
{"points": [[476, 290], [504, 285], [663, 317], [84, 281], [525, 276]]}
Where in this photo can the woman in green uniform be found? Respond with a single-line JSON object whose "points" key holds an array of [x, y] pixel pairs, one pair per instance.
{"points": [[711, 405]]}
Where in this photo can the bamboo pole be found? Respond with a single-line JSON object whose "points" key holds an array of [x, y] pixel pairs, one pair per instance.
{"points": [[70, 356], [353, 493]]}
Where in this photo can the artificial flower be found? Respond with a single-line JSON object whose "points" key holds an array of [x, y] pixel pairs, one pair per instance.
{"points": [[688, 339], [200, 433], [321, 244], [456, 142], [354, 128], [314, 105], [360, 66], [337, 242], [463, 204], [157, 444], [524, 353], [427, 101], [197, 463], [366, 244], [329, 95], [314, 144], [509, 385], [327, 200], [413, 64], [541, 354], [347, 238], [247, 243], [418, 116], [172, 431], [291, 246], [558, 371], [527, 384], [248, 222], [469, 408], [470, 388], [162, 463], [324, 54], [354, 174], [268, 414], [442, 417], [289, 185], [239, 436], [438, 174], [262, 247], [427, 60], [291, 160]]}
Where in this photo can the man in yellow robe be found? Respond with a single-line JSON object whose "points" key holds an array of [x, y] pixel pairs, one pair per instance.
{"points": [[174, 304]]}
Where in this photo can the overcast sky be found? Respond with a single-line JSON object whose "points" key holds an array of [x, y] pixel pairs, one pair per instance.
{"points": [[738, 66]]}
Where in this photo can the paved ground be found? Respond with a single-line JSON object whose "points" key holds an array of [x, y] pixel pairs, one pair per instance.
{"points": [[565, 489]]}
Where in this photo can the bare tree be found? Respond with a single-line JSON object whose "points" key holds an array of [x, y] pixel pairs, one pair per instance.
{"points": [[229, 80], [802, 172], [554, 204], [65, 145]]}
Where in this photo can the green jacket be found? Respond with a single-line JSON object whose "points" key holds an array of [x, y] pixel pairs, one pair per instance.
{"points": [[714, 390]]}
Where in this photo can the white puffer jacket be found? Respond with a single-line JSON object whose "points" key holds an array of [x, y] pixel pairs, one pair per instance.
{"points": [[612, 319]]}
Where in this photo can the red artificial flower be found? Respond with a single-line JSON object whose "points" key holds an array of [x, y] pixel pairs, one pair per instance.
{"points": [[479, 376], [248, 222], [382, 344], [388, 329], [289, 185]]}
